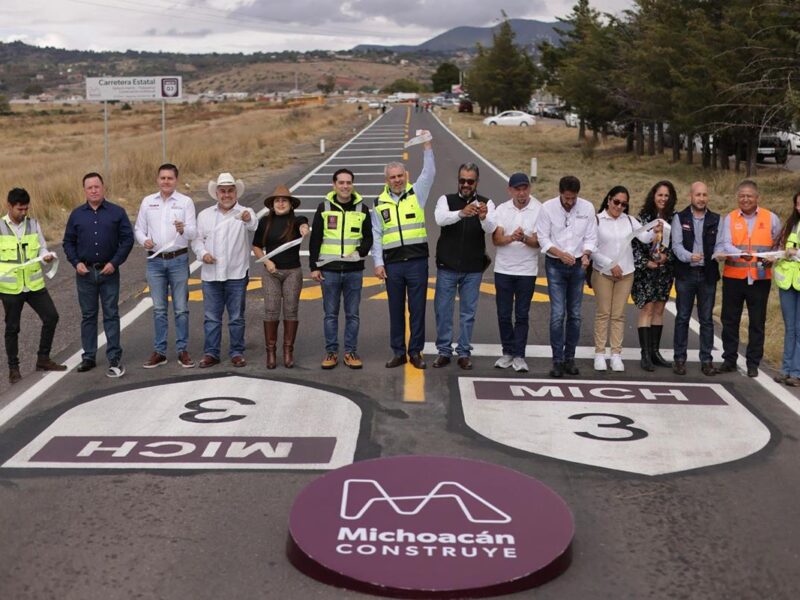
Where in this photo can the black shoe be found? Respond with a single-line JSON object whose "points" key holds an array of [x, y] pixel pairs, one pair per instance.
{"points": [[14, 375], [708, 369], [557, 370], [655, 344], [679, 368], [727, 367], [396, 361], [780, 378], [86, 365], [752, 371], [417, 361], [441, 361], [644, 343], [570, 368]]}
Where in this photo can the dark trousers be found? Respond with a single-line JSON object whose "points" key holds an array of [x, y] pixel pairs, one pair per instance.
{"points": [[42, 304], [694, 285], [95, 290], [514, 293], [735, 294], [407, 277]]}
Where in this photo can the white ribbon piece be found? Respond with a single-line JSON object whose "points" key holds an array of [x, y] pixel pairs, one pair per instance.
{"points": [[420, 139], [280, 249], [643, 229], [771, 255], [49, 274], [352, 257]]}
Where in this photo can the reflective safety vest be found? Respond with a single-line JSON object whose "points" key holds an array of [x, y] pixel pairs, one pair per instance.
{"points": [[403, 220], [787, 272], [15, 251], [342, 230], [759, 240]]}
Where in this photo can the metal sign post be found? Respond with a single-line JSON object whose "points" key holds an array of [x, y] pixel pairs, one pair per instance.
{"points": [[163, 131], [105, 141]]}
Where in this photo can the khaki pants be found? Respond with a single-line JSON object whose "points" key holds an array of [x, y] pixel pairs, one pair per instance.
{"points": [[610, 296]]}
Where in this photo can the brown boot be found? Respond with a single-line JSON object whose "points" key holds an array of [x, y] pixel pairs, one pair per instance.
{"points": [[45, 363], [289, 335], [271, 340]]}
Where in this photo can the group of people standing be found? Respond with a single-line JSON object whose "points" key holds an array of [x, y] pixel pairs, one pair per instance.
{"points": [[618, 255]]}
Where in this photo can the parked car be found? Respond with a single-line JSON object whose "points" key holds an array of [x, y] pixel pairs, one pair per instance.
{"points": [[374, 105], [552, 111], [792, 139], [571, 119], [772, 146], [511, 118], [465, 106]]}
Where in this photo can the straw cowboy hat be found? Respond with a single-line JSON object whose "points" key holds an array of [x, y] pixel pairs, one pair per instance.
{"points": [[281, 192], [225, 179]]}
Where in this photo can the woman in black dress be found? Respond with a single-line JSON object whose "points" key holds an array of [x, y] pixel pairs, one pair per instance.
{"points": [[282, 277], [653, 274]]}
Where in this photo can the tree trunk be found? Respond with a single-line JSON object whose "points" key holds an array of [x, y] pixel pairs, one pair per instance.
{"points": [[651, 140], [706, 151], [639, 139], [604, 133], [629, 128], [582, 130], [724, 158], [595, 135], [690, 149], [676, 147], [752, 149], [738, 157], [660, 147]]}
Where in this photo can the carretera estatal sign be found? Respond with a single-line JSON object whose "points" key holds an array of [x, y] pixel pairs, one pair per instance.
{"points": [[430, 525], [133, 88]]}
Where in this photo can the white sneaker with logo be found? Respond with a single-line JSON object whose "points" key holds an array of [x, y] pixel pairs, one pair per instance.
{"points": [[519, 364], [599, 362], [503, 362], [616, 363]]}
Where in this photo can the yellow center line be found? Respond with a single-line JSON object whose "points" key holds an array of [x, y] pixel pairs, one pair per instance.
{"points": [[413, 378]]}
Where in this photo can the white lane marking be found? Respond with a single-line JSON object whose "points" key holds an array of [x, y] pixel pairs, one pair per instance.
{"points": [[358, 185], [544, 351], [783, 395], [13, 408], [366, 156]]}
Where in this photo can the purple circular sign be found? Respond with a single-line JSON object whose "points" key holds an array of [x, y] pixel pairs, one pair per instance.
{"points": [[428, 526]]}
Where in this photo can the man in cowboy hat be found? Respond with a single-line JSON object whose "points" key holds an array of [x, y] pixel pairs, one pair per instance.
{"points": [[164, 226], [223, 244], [341, 236], [282, 277]]}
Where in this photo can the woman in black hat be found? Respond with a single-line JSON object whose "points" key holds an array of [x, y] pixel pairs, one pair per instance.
{"points": [[282, 278]]}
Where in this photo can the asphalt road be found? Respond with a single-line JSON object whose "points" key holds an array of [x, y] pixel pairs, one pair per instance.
{"points": [[704, 506]]}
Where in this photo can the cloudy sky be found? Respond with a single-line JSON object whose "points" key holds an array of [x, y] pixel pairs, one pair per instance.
{"points": [[256, 25]]}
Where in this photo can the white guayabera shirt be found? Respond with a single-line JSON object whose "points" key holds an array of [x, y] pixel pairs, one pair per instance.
{"points": [[227, 238]]}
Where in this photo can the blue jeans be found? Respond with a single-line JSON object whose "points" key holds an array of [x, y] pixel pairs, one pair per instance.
{"points": [[790, 307], [469, 287], [565, 287], [93, 287], [335, 285], [165, 276], [694, 285], [408, 276], [218, 296], [514, 293]]}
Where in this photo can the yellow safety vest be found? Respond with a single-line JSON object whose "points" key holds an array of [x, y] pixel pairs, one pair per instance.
{"points": [[15, 251], [341, 230], [787, 272], [403, 220]]}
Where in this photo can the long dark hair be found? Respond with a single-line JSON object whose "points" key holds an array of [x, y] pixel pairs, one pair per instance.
{"points": [[617, 189], [649, 207], [288, 232], [792, 221]]}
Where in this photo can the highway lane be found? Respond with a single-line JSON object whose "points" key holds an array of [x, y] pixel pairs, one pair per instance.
{"points": [[718, 519]]}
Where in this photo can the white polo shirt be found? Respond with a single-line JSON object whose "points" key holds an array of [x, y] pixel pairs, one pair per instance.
{"points": [[517, 258]]}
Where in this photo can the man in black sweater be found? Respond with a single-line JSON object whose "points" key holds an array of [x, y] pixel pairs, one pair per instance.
{"points": [[341, 236]]}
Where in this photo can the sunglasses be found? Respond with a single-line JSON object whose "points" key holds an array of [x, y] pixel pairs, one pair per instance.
{"points": [[464, 181], [616, 202]]}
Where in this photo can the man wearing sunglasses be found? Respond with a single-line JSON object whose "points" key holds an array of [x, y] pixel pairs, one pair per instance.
{"points": [[465, 218]]}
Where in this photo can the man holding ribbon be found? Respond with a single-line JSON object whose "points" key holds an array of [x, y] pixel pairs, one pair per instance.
{"points": [[22, 252], [223, 244], [165, 224]]}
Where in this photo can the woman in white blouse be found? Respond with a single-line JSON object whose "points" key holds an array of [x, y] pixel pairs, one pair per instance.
{"points": [[612, 275]]}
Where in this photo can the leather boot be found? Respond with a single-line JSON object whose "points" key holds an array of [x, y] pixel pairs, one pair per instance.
{"points": [[45, 363], [289, 335], [645, 344], [655, 343], [271, 341]]}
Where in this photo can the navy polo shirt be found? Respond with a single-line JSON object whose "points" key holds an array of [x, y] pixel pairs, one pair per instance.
{"points": [[98, 236]]}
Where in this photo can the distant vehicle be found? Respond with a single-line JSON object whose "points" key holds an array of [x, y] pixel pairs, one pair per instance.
{"points": [[374, 105], [511, 118], [772, 146], [571, 119], [552, 111], [792, 139], [438, 100], [465, 106]]}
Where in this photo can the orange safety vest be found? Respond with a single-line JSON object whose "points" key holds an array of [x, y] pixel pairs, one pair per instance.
{"points": [[759, 240]]}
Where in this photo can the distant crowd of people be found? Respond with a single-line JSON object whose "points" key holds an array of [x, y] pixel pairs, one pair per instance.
{"points": [[617, 255]]}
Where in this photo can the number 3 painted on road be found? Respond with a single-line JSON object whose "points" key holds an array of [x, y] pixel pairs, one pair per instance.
{"points": [[197, 409], [623, 423]]}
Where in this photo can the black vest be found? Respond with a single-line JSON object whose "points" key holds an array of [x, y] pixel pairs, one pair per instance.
{"points": [[462, 245], [710, 226]]}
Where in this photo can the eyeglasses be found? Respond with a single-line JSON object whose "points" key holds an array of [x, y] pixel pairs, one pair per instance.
{"points": [[616, 202], [465, 181]]}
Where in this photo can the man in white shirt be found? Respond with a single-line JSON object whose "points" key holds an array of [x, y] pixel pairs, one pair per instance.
{"points": [[223, 244], [164, 226], [515, 268], [465, 218], [567, 231]]}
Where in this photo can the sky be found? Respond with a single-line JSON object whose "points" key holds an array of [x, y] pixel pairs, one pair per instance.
{"points": [[198, 26]]}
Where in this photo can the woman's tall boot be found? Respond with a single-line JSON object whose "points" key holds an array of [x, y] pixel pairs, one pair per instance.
{"points": [[289, 335], [271, 341], [645, 345]]}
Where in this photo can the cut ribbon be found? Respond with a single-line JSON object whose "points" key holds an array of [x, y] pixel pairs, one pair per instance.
{"points": [[49, 274], [280, 249], [420, 139]]}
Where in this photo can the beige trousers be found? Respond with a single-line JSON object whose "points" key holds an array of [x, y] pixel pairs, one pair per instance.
{"points": [[610, 296]]}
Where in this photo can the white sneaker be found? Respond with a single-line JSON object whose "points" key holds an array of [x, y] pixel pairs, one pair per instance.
{"points": [[616, 363], [519, 364], [599, 362], [115, 370], [503, 362]]}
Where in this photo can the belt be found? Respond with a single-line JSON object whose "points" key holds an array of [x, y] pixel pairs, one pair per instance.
{"points": [[97, 266], [168, 255]]}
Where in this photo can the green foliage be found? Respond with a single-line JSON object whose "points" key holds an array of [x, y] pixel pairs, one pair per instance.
{"points": [[446, 75], [5, 107], [328, 85], [403, 85]]}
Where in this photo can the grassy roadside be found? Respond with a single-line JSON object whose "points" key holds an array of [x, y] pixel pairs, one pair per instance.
{"points": [[601, 166], [48, 151]]}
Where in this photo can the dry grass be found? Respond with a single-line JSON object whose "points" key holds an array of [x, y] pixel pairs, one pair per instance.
{"points": [[48, 153], [605, 165]]}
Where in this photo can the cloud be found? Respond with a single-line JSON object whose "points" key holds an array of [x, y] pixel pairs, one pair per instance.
{"points": [[174, 33]]}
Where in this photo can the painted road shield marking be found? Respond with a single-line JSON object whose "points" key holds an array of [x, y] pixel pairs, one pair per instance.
{"points": [[228, 422], [651, 428]]}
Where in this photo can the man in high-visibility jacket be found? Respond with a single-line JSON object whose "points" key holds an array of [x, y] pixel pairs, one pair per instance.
{"points": [[22, 242], [341, 237], [743, 232], [400, 252]]}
